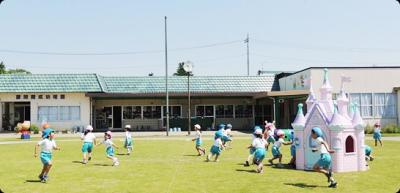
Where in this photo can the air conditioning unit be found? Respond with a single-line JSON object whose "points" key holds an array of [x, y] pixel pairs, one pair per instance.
{"points": [[281, 100]]}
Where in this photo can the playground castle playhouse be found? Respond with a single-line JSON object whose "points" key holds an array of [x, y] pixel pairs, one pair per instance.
{"points": [[343, 131]]}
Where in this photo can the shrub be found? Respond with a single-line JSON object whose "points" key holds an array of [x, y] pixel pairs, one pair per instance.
{"points": [[369, 129], [391, 129], [34, 129]]}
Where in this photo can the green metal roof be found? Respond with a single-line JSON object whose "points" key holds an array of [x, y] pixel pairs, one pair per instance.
{"points": [[49, 83], [199, 84], [89, 83]]}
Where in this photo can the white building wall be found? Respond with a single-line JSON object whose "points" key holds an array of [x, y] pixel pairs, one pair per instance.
{"points": [[398, 107], [71, 99], [363, 80]]}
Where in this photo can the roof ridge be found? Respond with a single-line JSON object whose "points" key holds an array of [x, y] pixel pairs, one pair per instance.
{"points": [[100, 81]]}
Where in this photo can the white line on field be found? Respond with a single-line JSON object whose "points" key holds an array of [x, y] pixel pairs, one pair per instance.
{"points": [[176, 171]]}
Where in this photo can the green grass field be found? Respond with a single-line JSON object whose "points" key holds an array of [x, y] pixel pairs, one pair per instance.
{"points": [[170, 165]]}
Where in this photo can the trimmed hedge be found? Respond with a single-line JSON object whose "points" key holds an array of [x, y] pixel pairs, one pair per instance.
{"points": [[387, 129]]}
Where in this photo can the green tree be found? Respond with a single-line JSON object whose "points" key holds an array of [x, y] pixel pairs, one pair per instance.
{"points": [[18, 71], [180, 71], [3, 70]]}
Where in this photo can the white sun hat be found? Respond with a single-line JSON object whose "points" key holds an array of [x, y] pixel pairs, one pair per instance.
{"points": [[197, 126], [89, 128]]}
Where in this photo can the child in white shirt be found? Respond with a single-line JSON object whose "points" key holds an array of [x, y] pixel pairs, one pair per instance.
{"points": [[47, 145], [276, 148], [110, 148], [128, 139], [88, 141], [216, 148], [199, 141]]}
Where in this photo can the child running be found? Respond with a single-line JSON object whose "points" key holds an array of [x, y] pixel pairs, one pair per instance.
{"points": [[216, 148], [276, 148], [292, 151], [324, 164], [128, 139], [377, 133], [47, 145], [269, 133], [252, 149], [88, 140], [227, 138], [200, 150], [110, 148], [368, 156], [259, 145]]}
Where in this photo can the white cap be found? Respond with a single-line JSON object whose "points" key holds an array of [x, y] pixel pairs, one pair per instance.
{"points": [[197, 126], [280, 133], [258, 132], [89, 128], [128, 126]]}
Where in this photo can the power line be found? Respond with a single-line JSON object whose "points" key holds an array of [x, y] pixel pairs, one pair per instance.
{"points": [[321, 47], [321, 60], [115, 53]]}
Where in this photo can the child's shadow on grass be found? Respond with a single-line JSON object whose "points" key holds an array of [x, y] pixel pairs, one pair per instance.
{"points": [[32, 181], [284, 166], [303, 185], [102, 165], [249, 171], [191, 155], [122, 154], [77, 162]]}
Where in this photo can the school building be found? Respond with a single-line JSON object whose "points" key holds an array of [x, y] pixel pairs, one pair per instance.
{"points": [[68, 101]]}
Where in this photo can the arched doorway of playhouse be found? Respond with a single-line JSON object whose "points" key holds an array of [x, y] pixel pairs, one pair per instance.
{"points": [[312, 157]]}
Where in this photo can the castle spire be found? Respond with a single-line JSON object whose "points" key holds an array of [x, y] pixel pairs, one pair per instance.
{"points": [[311, 96], [326, 89], [300, 121], [343, 101], [357, 121]]}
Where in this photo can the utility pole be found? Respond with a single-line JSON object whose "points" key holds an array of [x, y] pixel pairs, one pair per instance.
{"points": [[248, 54], [166, 78]]}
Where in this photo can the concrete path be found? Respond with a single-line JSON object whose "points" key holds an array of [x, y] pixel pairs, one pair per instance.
{"points": [[144, 136], [134, 134]]}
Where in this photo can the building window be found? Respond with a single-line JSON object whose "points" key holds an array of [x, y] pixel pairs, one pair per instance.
{"points": [[17, 96], [349, 144], [40, 96], [174, 111], [152, 112], [62, 96], [26, 96], [55, 96], [263, 112], [127, 112], [243, 111], [58, 113], [375, 105], [47, 96], [385, 105], [33, 96], [132, 112], [205, 111], [224, 111]]}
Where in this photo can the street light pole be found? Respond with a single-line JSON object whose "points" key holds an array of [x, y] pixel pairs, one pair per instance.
{"points": [[187, 66], [190, 118], [166, 78]]}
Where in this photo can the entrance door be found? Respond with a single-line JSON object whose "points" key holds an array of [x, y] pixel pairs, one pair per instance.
{"points": [[22, 112], [117, 117], [27, 113]]}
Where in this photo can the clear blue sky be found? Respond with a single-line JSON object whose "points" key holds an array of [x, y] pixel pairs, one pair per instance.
{"points": [[285, 35]]}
